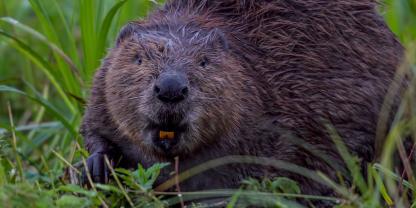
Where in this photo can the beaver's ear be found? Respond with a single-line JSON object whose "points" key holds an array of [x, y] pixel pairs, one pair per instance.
{"points": [[218, 39], [128, 30]]}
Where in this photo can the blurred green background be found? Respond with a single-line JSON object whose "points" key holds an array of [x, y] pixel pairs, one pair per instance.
{"points": [[49, 50]]}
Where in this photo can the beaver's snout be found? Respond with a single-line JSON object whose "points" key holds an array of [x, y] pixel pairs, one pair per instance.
{"points": [[171, 87]]}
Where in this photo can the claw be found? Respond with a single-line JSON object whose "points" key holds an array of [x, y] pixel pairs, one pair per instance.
{"points": [[97, 168]]}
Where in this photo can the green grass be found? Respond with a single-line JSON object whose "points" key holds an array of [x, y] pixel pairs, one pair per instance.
{"points": [[50, 50]]}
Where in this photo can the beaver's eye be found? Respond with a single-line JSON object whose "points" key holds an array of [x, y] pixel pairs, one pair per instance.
{"points": [[203, 62], [138, 59]]}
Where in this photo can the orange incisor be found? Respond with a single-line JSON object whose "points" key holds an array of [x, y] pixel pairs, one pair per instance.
{"points": [[166, 134]]}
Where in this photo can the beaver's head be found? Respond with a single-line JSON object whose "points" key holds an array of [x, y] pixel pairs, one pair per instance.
{"points": [[175, 88]]}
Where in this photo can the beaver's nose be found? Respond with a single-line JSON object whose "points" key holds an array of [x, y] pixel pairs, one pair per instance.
{"points": [[171, 87]]}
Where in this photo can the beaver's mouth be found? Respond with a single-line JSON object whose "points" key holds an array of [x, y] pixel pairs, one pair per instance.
{"points": [[166, 136]]}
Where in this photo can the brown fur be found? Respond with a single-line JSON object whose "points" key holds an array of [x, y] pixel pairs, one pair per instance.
{"points": [[278, 71]]}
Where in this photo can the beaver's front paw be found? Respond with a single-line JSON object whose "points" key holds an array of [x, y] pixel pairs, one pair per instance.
{"points": [[97, 169]]}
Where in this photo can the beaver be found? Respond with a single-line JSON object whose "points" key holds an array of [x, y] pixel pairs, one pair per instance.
{"points": [[201, 80]]}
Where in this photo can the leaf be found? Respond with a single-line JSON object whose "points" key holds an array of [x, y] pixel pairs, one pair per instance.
{"points": [[68, 201], [123, 171], [107, 187], [234, 199], [154, 172], [77, 189], [285, 185]]}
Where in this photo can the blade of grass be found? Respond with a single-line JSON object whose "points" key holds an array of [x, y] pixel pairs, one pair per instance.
{"points": [[374, 199], [48, 106], [44, 40], [351, 162], [42, 64], [234, 199], [50, 31], [70, 37], [32, 126], [388, 154], [390, 174], [382, 188], [40, 111], [89, 36], [243, 159], [14, 145], [91, 182], [242, 193], [339, 189], [118, 181], [65, 161], [105, 26], [3, 175]]}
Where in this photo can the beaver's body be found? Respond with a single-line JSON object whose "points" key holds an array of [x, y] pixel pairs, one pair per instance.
{"points": [[262, 78]]}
